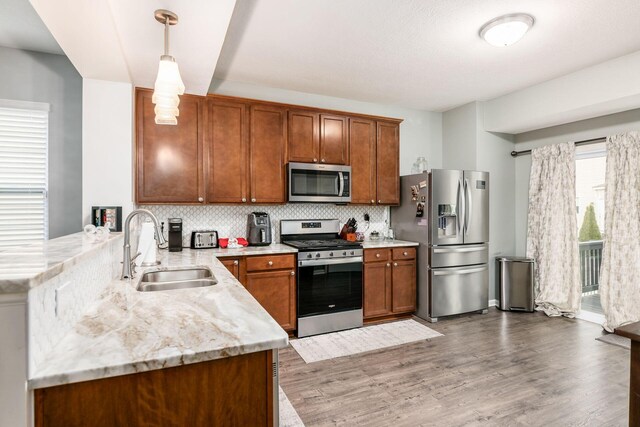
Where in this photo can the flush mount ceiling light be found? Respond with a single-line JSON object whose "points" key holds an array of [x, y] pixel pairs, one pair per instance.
{"points": [[507, 29], [168, 83]]}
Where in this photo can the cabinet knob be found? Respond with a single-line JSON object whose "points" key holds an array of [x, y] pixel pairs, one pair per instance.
{"points": [[405, 253], [373, 201], [377, 255], [244, 200], [315, 160], [235, 262], [379, 201], [201, 199], [322, 160], [395, 264], [270, 263], [388, 264], [253, 200], [293, 273]]}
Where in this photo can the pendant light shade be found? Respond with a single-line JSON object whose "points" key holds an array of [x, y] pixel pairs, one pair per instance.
{"points": [[169, 84]]}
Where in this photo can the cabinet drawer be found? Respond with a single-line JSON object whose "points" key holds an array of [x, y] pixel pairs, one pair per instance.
{"points": [[404, 253], [373, 255], [270, 262]]}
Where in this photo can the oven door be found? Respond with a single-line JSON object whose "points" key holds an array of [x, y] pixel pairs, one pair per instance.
{"points": [[329, 286], [310, 182]]}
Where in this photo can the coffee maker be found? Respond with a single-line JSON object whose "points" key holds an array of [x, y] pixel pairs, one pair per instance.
{"points": [[259, 229]]}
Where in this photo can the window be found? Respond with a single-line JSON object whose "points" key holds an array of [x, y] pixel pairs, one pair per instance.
{"points": [[24, 135]]}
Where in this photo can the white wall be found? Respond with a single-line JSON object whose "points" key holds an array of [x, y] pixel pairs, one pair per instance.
{"points": [[420, 132], [459, 134], [107, 142], [585, 129], [606, 88]]}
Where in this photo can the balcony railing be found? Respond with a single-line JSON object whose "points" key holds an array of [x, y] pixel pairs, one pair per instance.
{"points": [[590, 259]]}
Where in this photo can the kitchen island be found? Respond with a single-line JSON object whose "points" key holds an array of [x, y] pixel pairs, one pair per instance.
{"points": [[198, 356]]}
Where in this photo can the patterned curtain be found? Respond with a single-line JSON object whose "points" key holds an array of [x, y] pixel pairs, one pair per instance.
{"points": [[552, 234], [620, 274]]}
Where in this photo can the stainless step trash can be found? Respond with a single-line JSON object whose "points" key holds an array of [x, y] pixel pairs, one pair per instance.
{"points": [[515, 276]]}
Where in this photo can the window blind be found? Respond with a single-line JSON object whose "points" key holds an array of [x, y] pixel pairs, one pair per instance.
{"points": [[24, 134]]}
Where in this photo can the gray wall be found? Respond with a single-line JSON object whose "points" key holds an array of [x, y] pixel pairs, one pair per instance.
{"points": [[585, 129], [420, 132], [43, 77], [459, 134]]}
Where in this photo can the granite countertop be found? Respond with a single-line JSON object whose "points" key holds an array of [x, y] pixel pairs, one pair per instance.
{"points": [[27, 266], [126, 331], [368, 244], [275, 248]]}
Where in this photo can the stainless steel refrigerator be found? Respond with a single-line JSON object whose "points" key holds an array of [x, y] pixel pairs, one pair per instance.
{"points": [[447, 212]]}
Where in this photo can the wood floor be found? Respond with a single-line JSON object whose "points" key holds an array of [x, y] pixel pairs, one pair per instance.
{"points": [[504, 369]]}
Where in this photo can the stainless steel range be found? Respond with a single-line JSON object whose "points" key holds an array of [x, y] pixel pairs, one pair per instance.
{"points": [[329, 276]]}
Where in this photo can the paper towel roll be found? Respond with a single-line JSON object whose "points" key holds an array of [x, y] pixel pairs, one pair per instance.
{"points": [[147, 244]]}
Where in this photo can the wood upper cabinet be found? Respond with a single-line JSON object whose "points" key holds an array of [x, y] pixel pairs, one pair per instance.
{"points": [[389, 282], [362, 154], [318, 138], [377, 289], [304, 136], [268, 154], [334, 139], [388, 163], [169, 158], [227, 148], [276, 292]]}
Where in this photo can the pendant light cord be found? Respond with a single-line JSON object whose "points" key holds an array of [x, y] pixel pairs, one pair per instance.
{"points": [[166, 36]]}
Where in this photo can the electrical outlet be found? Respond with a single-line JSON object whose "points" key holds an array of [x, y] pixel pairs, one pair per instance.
{"points": [[63, 294]]}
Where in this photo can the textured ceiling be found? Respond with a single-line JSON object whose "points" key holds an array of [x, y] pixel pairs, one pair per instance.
{"points": [[22, 28], [422, 54]]}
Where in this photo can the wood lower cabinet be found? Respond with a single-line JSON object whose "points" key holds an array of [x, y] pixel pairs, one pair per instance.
{"points": [[232, 391], [233, 265], [389, 282], [388, 163], [268, 154], [169, 159], [362, 153], [276, 292], [227, 151]]}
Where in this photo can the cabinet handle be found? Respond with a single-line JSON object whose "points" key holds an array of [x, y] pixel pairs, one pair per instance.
{"points": [[253, 200], [244, 200], [293, 273], [315, 160], [235, 262], [377, 255], [395, 264], [405, 253], [270, 263], [322, 160], [388, 264], [201, 199]]}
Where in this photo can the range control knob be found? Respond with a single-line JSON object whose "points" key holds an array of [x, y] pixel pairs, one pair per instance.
{"points": [[309, 256], [317, 254], [330, 253], [353, 253], [344, 253]]}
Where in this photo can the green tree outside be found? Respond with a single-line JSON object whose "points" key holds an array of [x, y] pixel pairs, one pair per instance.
{"points": [[589, 230]]}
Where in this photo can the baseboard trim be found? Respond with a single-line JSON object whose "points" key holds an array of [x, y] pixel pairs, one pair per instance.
{"points": [[493, 303]]}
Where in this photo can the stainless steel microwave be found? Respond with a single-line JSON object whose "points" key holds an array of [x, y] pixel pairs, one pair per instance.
{"points": [[319, 183]]}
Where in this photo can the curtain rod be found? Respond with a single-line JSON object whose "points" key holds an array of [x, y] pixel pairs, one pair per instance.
{"points": [[583, 142]]}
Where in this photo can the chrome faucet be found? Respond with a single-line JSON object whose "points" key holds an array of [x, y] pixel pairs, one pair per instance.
{"points": [[128, 264]]}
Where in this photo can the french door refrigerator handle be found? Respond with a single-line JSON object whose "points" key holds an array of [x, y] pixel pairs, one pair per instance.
{"points": [[437, 272], [459, 208], [468, 207]]}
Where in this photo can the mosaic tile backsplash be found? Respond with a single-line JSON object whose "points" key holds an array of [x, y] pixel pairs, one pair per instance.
{"points": [[231, 221]]}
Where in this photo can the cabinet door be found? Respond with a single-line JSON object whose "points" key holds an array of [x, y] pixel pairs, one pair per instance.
{"points": [[362, 155], [276, 292], [377, 289], [334, 140], [267, 154], [404, 286], [233, 265], [304, 136], [168, 158], [227, 152], [388, 163]]}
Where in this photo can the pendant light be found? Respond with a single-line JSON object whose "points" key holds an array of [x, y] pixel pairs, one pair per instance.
{"points": [[507, 29], [168, 83]]}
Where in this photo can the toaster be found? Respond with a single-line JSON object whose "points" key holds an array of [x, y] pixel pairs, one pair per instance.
{"points": [[204, 239]]}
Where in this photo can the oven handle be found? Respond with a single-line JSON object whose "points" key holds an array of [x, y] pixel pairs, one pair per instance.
{"points": [[325, 261]]}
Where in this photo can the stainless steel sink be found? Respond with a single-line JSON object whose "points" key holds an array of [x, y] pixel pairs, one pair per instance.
{"points": [[164, 279]]}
